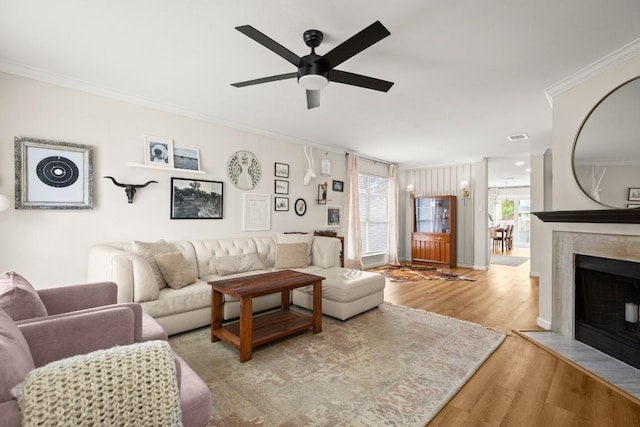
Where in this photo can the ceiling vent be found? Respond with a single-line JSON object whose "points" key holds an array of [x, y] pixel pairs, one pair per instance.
{"points": [[520, 137]]}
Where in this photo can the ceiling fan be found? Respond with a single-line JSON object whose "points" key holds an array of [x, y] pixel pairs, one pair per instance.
{"points": [[316, 71]]}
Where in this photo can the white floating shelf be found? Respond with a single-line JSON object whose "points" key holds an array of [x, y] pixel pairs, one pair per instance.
{"points": [[164, 168]]}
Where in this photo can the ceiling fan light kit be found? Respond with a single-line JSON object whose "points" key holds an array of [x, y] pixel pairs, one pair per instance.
{"points": [[316, 71]]}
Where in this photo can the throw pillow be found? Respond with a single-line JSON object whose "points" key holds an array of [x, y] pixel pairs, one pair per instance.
{"points": [[15, 356], [175, 270], [18, 298], [291, 255], [233, 264], [148, 251], [297, 238]]}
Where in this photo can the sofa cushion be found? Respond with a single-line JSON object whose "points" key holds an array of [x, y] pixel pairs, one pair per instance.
{"points": [[148, 251], [232, 264], [297, 238], [174, 301], [291, 255], [18, 298], [175, 269], [15, 357]]}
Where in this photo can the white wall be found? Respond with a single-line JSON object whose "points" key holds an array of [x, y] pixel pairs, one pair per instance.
{"points": [[569, 110], [49, 247]]}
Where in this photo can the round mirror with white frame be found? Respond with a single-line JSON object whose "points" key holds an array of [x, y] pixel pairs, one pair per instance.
{"points": [[606, 152]]}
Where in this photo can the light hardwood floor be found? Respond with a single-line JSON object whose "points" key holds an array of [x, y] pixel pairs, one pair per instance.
{"points": [[520, 384]]}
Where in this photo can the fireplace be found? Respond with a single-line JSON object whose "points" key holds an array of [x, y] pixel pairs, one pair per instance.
{"points": [[607, 296]]}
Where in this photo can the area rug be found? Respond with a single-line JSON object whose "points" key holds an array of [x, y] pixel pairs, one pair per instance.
{"points": [[408, 273], [389, 366], [508, 260]]}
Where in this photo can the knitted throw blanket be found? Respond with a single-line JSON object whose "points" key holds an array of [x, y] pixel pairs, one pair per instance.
{"points": [[132, 385]]}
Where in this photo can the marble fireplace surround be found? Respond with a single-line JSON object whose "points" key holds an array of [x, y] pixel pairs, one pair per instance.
{"points": [[565, 245], [560, 339]]}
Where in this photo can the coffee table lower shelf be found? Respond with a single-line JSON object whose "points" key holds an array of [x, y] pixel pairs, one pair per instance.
{"points": [[266, 328]]}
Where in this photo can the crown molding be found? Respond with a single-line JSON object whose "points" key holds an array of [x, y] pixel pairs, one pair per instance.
{"points": [[33, 73], [618, 57]]}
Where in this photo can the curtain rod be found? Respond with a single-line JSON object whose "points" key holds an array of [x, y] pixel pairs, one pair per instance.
{"points": [[374, 161]]}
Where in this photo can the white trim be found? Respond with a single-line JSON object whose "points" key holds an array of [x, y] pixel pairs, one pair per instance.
{"points": [[543, 323], [615, 58]]}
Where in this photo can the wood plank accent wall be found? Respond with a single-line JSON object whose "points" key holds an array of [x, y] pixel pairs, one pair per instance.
{"points": [[443, 181]]}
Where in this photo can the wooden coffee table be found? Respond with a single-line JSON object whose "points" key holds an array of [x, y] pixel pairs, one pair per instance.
{"points": [[252, 331]]}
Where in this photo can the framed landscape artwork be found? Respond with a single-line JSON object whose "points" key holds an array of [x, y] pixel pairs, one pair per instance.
{"points": [[196, 199], [186, 158], [634, 194]]}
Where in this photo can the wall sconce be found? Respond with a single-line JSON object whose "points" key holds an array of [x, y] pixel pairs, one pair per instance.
{"points": [[410, 191], [4, 203], [464, 187]]}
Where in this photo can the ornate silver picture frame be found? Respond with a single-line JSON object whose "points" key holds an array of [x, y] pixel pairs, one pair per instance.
{"points": [[53, 174]]}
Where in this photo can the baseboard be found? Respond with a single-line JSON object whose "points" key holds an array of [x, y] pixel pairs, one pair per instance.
{"points": [[534, 274], [543, 323], [481, 267]]}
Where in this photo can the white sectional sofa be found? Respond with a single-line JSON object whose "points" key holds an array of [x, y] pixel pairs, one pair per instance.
{"points": [[131, 266]]}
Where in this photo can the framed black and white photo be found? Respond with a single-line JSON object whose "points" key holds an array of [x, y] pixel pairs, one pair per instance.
{"points": [[186, 158], [300, 207], [633, 205], [281, 170], [281, 187], [334, 216], [281, 204], [53, 174], [196, 199], [634, 194], [338, 186], [158, 151]]}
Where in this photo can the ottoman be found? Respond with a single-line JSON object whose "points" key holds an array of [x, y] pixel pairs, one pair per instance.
{"points": [[345, 292]]}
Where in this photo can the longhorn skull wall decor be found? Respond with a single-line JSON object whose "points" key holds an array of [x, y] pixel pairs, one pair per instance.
{"points": [[129, 189]]}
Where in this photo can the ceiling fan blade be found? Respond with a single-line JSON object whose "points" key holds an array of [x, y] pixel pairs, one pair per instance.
{"points": [[265, 80], [359, 80], [356, 44], [269, 43], [313, 99]]}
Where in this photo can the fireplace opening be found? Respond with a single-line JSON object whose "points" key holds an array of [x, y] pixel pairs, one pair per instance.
{"points": [[607, 306]]}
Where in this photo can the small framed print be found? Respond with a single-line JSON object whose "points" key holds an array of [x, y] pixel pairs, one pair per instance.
{"points": [[53, 174], [281, 170], [281, 187], [633, 205], [322, 194], [300, 207], [334, 216], [634, 194], [158, 151], [338, 186], [186, 158], [281, 204]]}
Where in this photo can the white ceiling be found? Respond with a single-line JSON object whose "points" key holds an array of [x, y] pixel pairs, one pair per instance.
{"points": [[467, 73]]}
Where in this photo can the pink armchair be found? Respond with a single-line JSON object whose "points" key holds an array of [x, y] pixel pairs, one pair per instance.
{"points": [[79, 322], [96, 296]]}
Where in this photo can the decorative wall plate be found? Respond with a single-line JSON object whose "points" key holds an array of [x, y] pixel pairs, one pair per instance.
{"points": [[244, 170]]}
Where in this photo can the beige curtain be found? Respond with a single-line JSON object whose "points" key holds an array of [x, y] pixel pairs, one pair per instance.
{"points": [[351, 228], [393, 215]]}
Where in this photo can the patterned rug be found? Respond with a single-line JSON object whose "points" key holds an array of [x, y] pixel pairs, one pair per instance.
{"points": [[409, 273], [389, 366]]}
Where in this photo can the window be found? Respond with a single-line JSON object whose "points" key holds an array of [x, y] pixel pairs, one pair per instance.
{"points": [[374, 214]]}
